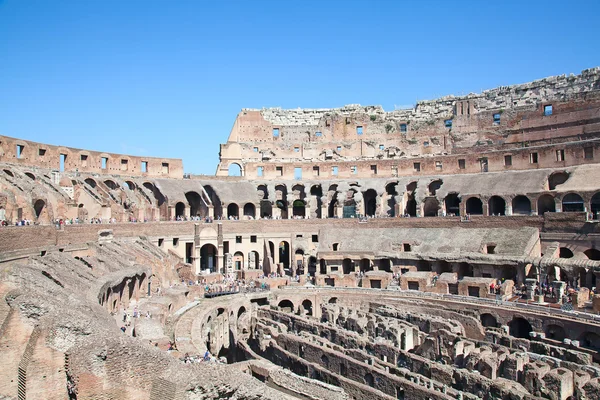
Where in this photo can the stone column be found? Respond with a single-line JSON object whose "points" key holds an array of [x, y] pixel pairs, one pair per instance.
{"points": [[530, 285], [559, 289]]}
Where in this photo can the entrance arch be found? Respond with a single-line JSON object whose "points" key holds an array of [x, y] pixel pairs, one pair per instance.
{"points": [[235, 169], [595, 206], [284, 254], [286, 306], [521, 205], [474, 206], [496, 206], [299, 208], [520, 328], [238, 260], [572, 202], [555, 332], [38, 207], [195, 202], [452, 203], [592, 254], [370, 201], [488, 320], [431, 207], [308, 308], [347, 266], [249, 210], [546, 204], [208, 257], [179, 210], [233, 210]]}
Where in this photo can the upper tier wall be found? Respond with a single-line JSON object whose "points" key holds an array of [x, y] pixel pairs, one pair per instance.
{"points": [[33, 154]]}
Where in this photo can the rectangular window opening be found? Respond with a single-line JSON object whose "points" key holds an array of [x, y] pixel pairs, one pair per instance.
{"points": [[275, 132], [374, 169], [533, 158], [296, 149], [381, 147], [20, 149], [124, 165], [315, 171], [560, 155], [491, 249], [175, 242], [63, 159], [461, 163], [334, 171], [279, 171], [359, 130], [104, 162], [160, 242], [496, 119], [406, 247], [417, 166], [438, 165], [548, 110], [41, 152], [403, 128], [144, 166], [238, 239], [165, 168], [255, 149], [315, 238], [339, 148], [507, 160], [298, 173], [253, 239], [260, 171], [353, 169], [588, 153], [448, 123], [318, 134]]}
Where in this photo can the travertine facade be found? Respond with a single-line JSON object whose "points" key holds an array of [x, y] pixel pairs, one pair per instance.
{"points": [[441, 260]]}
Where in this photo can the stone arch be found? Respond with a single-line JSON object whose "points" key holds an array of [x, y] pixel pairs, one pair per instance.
{"points": [[496, 206], [235, 169], [215, 200], [452, 203], [179, 210], [317, 192], [9, 173], [30, 176], [195, 201], [299, 208], [434, 186], [545, 203], [370, 380], [431, 206], [488, 320], [233, 210], [474, 206], [111, 184], [347, 266], [520, 328], [130, 185], [365, 265], [256, 259], [370, 202], [590, 340], [38, 207], [308, 307], [557, 178], [249, 210], [592, 254], [595, 206], [286, 306], [238, 260], [284, 253], [564, 252], [92, 183], [521, 205], [555, 332], [208, 257], [572, 202]]}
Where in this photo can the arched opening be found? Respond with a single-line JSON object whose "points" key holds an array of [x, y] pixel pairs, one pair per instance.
{"points": [[365, 265], [546, 204], [111, 184], [434, 186], [411, 203], [496, 206], [195, 201], [333, 300], [572, 202], [369, 380], [208, 257], [253, 260], [312, 265], [266, 208], [370, 201], [592, 254], [233, 211], [284, 254], [299, 261], [249, 210], [9, 173], [521, 205], [238, 260], [474, 206], [90, 182], [322, 266], [452, 203], [215, 200], [431, 207], [590, 340], [391, 192], [130, 185], [349, 205], [308, 308], [38, 207], [347, 266], [557, 178], [520, 328], [30, 176], [564, 252], [385, 264], [179, 210], [333, 202], [595, 206], [555, 332], [325, 361], [281, 200], [317, 193], [234, 170], [488, 320], [298, 208], [286, 306]]}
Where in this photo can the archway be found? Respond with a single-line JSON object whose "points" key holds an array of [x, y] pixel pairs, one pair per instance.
{"points": [[391, 192], [496, 206], [233, 210], [592, 254], [308, 308], [30, 176], [590, 340], [333, 202], [520, 328], [546, 204], [298, 208], [452, 203], [249, 210], [347, 266], [572, 202], [365, 265], [595, 206], [238, 260], [521, 205], [370, 201], [411, 203], [317, 193], [284, 254], [286, 306], [488, 320], [90, 182], [299, 261], [369, 380], [254, 255], [555, 332], [564, 252], [434, 186], [179, 210], [431, 207], [474, 206], [234, 170], [195, 201], [38, 207], [111, 184], [385, 264], [557, 178], [208, 257], [312, 265], [464, 269]]}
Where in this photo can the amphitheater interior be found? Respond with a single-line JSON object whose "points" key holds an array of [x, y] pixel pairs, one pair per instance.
{"points": [[446, 251]]}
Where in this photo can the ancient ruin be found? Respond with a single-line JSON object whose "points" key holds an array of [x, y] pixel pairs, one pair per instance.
{"points": [[447, 251]]}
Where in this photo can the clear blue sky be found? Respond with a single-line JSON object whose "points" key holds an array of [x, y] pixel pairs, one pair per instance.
{"points": [[167, 78]]}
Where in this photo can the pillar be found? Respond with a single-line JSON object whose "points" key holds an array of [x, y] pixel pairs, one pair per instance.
{"points": [[530, 285]]}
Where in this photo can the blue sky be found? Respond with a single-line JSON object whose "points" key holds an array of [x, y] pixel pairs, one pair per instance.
{"points": [[167, 78]]}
